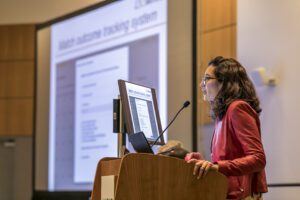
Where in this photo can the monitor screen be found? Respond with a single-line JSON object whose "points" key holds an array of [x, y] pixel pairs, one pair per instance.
{"points": [[140, 110]]}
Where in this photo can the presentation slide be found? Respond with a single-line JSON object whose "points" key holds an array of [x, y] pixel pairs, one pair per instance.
{"points": [[92, 108], [142, 110], [89, 53], [144, 117]]}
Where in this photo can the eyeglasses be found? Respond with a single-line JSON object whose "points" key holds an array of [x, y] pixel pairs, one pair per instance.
{"points": [[207, 78]]}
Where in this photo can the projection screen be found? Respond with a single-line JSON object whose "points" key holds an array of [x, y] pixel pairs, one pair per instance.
{"points": [[80, 57]]}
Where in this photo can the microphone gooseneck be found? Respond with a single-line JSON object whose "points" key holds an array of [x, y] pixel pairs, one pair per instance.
{"points": [[186, 104]]}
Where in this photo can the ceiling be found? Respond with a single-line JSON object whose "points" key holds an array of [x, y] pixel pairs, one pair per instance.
{"points": [[37, 11]]}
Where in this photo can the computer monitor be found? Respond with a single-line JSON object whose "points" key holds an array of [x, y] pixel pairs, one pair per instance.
{"points": [[140, 110]]}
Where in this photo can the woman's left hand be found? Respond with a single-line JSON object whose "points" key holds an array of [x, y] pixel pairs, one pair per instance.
{"points": [[202, 167]]}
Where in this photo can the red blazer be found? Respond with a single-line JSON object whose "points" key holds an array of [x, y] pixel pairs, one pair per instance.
{"points": [[238, 150]]}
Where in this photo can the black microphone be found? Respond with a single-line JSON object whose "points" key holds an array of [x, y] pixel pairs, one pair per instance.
{"points": [[186, 104]]}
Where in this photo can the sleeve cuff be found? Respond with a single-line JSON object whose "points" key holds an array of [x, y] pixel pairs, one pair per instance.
{"points": [[222, 166]]}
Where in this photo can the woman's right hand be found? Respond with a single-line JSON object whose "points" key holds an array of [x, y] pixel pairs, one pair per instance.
{"points": [[193, 155], [202, 167]]}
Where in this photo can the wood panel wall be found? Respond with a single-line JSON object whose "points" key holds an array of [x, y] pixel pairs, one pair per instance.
{"points": [[16, 79], [216, 33]]}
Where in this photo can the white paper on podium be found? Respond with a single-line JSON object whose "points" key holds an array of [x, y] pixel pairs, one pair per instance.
{"points": [[107, 187]]}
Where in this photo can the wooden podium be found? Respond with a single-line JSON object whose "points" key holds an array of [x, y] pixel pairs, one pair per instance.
{"points": [[154, 177]]}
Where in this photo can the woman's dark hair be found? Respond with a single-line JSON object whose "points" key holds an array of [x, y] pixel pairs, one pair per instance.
{"points": [[236, 85]]}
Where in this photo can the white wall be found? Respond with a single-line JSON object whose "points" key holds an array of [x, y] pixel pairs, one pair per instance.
{"points": [[269, 35]]}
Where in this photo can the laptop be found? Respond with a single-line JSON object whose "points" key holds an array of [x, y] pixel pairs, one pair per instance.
{"points": [[140, 143]]}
